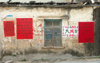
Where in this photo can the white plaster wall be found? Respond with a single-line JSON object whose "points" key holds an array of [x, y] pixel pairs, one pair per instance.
{"points": [[84, 14]]}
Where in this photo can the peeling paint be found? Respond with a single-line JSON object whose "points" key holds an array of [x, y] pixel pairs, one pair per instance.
{"points": [[9, 38], [4, 39], [40, 14]]}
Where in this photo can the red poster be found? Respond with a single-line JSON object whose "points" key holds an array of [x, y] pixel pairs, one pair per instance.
{"points": [[24, 28], [9, 28], [86, 32]]}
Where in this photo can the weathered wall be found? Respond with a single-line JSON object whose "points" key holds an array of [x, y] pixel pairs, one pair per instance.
{"points": [[33, 0], [48, 0], [97, 30], [69, 16]]}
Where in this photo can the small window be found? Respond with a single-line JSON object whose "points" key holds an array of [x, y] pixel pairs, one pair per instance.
{"points": [[56, 23], [48, 23]]}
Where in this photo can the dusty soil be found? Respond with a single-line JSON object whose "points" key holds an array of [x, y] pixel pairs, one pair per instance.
{"points": [[49, 58]]}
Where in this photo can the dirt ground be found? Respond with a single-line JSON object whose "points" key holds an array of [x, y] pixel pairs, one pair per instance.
{"points": [[49, 58]]}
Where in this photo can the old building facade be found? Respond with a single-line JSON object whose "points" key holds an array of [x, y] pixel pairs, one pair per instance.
{"points": [[54, 28]]}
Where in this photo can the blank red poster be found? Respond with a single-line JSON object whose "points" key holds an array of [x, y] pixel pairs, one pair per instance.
{"points": [[86, 32], [9, 28], [24, 28]]}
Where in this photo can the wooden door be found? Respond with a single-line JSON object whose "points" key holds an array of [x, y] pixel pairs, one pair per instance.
{"points": [[52, 34]]}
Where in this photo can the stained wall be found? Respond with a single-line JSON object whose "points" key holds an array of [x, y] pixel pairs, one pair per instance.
{"points": [[69, 16]]}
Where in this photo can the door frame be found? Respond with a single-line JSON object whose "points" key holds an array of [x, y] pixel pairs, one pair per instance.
{"points": [[60, 28]]}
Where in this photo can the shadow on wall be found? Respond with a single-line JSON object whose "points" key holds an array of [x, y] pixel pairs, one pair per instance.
{"points": [[96, 18], [73, 53], [89, 49]]}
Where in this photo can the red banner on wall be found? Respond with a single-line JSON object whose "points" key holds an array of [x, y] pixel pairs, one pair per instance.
{"points": [[9, 28], [86, 32], [24, 28]]}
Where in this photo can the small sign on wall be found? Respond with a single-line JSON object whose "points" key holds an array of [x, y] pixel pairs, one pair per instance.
{"points": [[70, 31], [86, 32], [24, 28], [9, 28]]}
